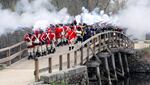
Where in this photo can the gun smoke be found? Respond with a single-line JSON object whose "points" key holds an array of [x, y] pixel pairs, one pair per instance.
{"points": [[135, 16]]}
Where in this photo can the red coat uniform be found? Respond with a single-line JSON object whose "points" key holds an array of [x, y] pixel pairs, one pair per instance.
{"points": [[36, 38], [66, 28], [58, 32], [43, 37], [71, 35], [28, 38], [50, 37]]}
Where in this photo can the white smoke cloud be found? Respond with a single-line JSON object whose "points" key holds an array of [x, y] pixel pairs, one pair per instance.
{"points": [[41, 13], [92, 17], [31, 13], [136, 17]]}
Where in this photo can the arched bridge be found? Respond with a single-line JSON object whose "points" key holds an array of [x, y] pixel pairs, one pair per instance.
{"points": [[110, 49]]}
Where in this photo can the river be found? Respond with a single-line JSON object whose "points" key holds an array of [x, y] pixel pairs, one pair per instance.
{"points": [[134, 79]]}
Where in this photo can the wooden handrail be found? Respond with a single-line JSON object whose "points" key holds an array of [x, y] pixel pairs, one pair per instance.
{"points": [[9, 57], [3, 60], [88, 44], [11, 47]]}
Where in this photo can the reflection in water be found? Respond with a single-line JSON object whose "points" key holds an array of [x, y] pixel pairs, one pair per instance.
{"points": [[134, 79]]}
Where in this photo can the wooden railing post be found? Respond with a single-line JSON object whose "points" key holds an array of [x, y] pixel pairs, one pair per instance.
{"points": [[99, 45], [94, 45], [75, 58], [125, 42], [120, 42], [60, 62], [36, 69], [9, 53], [88, 50], [50, 65], [81, 49], [120, 39], [20, 50], [68, 60], [104, 37]]}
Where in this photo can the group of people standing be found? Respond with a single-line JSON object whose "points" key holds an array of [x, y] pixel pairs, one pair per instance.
{"points": [[42, 42]]}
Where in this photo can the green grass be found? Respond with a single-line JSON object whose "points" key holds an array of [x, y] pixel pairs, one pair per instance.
{"points": [[146, 50], [61, 83], [2, 66]]}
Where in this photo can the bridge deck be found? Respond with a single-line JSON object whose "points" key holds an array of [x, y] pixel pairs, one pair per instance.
{"points": [[21, 72]]}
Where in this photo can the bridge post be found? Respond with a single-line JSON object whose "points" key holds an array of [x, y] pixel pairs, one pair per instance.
{"points": [[75, 58], [68, 60], [109, 40], [20, 50], [88, 50], [121, 63], [108, 71], [98, 75], [36, 72], [126, 63], [93, 45], [9, 53], [50, 65], [114, 66], [99, 45], [114, 39], [60, 62], [81, 58]]}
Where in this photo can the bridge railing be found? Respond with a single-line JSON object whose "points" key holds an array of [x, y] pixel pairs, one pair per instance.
{"points": [[13, 53], [84, 52]]}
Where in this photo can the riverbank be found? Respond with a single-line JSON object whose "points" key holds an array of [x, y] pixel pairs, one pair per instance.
{"points": [[140, 62]]}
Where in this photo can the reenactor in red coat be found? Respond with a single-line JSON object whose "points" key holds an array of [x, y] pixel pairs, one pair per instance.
{"points": [[66, 29], [43, 48], [71, 36], [59, 32], [37, 42], [29, 41], [50, 41]]}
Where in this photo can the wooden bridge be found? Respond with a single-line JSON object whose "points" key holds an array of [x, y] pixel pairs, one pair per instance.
{"points": [[109, 49]]}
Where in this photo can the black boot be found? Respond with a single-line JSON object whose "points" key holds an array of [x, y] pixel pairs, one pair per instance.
{"points": [[38, 54], [44, 52], [69, 48], [53, 50], [72, 47], [49, 51], [30, 57]]}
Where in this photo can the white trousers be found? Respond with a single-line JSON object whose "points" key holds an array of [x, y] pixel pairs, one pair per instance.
{"points": [[30, 51]]}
